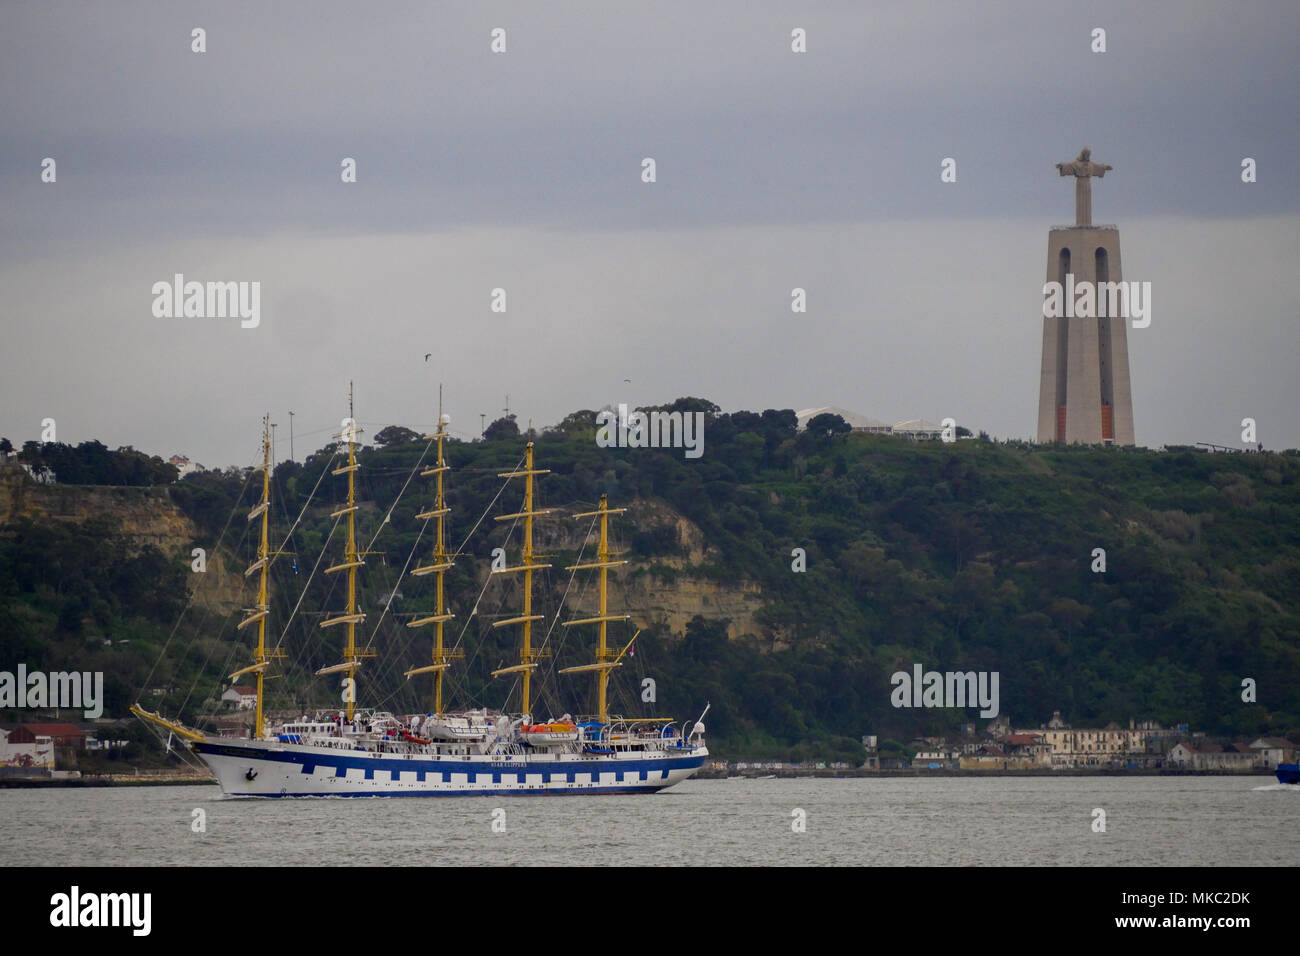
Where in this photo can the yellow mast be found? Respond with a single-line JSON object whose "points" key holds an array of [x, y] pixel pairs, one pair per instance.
{"points": [[441, 562], [258, 614], [527, 656], [352, 615], [606, 660]]}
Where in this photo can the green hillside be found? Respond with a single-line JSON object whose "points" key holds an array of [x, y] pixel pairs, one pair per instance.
{"points": [[972, 555]]}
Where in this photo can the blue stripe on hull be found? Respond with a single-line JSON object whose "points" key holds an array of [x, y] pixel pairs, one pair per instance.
{"points": [[421, 768], [590, 791], [651, 773]]}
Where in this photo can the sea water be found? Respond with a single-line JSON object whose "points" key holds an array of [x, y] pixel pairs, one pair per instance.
{"points": [[1148, 821]]}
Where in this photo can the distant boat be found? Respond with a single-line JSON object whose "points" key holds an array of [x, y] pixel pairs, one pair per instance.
{"points": [[1288, 773]]}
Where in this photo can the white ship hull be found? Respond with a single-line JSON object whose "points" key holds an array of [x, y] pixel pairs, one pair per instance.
{"points": [[252, 768]]}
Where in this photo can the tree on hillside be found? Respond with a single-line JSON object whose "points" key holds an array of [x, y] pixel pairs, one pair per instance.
{"points": [[92, 463], [395, 435], [502, 429], [574, 424], [686, 404], [828, 423], [781, 419]]}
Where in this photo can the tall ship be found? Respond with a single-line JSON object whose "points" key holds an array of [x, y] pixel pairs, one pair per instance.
{"points": [[354, 752]]}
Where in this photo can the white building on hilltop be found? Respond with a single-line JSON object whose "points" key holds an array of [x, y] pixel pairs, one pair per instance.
{"points": [[859, 423], [184, 466], [918, 429]]}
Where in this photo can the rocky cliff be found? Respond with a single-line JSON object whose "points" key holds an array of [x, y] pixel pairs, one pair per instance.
{"points": [[666, 591], [145, 517]]}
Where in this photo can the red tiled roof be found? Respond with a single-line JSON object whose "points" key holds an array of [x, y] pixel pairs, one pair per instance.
{"points": [[1022, 739], [51, 730]]}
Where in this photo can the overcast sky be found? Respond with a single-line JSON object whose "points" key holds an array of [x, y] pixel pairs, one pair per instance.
{"points": [[522, 171]]}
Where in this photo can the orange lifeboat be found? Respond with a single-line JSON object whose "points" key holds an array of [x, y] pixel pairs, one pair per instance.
{"points": [[554, 734]]}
